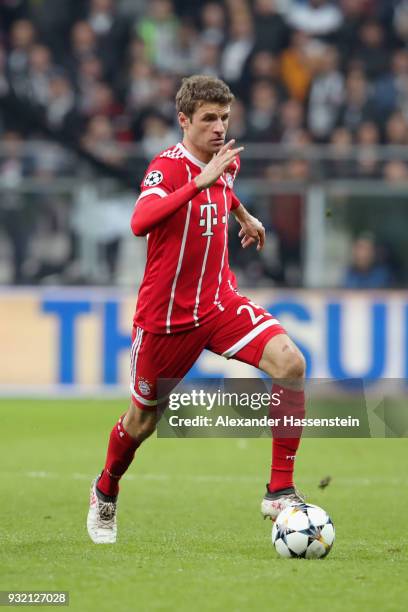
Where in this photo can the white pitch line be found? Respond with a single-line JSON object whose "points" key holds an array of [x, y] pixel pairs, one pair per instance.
{"points": [[211, 478]]}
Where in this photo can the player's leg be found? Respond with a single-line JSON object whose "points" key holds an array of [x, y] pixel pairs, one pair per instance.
{"points": [[126, 436], [248, 333], [153, 357], [128, 433], [284, 363]]}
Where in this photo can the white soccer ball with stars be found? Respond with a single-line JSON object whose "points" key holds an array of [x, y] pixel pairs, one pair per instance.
{"points": [[303, 531]]}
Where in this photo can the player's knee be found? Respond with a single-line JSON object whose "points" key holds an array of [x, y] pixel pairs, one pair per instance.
{"points": [[296, 367], [292, 366], [140, 424]]}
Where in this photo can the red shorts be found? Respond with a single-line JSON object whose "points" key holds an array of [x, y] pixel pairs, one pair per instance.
{"points": [[240, 332]]}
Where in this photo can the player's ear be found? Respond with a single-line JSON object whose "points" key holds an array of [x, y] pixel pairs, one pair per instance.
{"points": [[183, 120]]}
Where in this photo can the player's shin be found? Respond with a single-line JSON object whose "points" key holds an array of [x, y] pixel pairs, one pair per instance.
{"points": [[286, 435], [120, 454]]}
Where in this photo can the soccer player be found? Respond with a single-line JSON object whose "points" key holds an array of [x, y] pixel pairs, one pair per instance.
{"points": [[188, 299]]}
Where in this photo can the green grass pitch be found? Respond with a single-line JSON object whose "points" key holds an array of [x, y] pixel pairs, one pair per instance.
{"points": [[190, 531]]}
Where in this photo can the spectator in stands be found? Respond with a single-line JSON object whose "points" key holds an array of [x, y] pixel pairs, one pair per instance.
{"points": [[262, 114], [365, 271], [60, 111], [54, 20], [157, 135], [22, 38], [396, 171], [209, 54], [137, 50], [238, 123], [141, 86], [371, 52], [83, 46], [400, 21], [104, 102], [391, 91], [295, 66], [111, 32], [99, 140], [239, 45], [326, 95], [315, 17], [261, 65], [166, 88], [396, 129], [346, 38], [357, 106], [90, 73], [213, 24], [83, 40], [14, 165], [159, 31], [291, 121], [341, 165], [286, 217], [187, 48], [271, 30], [39, 74]]}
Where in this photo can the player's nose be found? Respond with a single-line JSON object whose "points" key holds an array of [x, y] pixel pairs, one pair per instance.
{"points": [[219, 127]]}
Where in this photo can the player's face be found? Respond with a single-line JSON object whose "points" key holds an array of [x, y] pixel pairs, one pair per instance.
{"points": [[207, 128]]}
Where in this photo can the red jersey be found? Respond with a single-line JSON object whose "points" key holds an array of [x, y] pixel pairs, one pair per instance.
{"points": [[187, 279]]}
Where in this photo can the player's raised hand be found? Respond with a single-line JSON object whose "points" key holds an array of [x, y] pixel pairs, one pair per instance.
{"points": [[217, 165]]}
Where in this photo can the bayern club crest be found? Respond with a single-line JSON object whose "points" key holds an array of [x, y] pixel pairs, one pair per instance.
{"points": [[153, 178], [230, 180], [144, 386]]}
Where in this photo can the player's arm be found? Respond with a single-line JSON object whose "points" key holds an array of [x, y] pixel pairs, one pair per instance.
{"points": [[252, 229], [155, 205], [153, 208]]}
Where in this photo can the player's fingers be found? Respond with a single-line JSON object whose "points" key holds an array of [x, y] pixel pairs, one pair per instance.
{"points": [[261, 238], [247, 241], [225, 147], [241, 233], [229, 156], [234, 152]]}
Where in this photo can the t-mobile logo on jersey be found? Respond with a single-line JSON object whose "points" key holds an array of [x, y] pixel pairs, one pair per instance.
{"points": [[208, 220]]}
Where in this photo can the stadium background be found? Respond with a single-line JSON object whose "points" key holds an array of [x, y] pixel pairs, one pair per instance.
{"points": [[86, 99]]}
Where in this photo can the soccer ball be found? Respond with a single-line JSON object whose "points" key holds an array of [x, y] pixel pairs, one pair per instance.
{"points": [[303, 531]]}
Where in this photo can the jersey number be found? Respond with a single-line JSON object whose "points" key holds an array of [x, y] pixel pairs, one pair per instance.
{"points": [[255, 319]]}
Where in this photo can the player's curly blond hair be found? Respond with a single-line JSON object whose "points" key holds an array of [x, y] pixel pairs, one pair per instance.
{"points": [[197, 89]]}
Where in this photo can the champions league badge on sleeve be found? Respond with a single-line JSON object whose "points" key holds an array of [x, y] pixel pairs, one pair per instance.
{"points": [[153, 178]]}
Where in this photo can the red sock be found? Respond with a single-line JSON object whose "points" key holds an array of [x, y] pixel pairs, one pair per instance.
{"points": [[121, 450], [284, 448]]}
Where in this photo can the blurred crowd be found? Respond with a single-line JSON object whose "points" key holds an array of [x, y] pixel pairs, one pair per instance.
{"points": [[100, 74]]}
